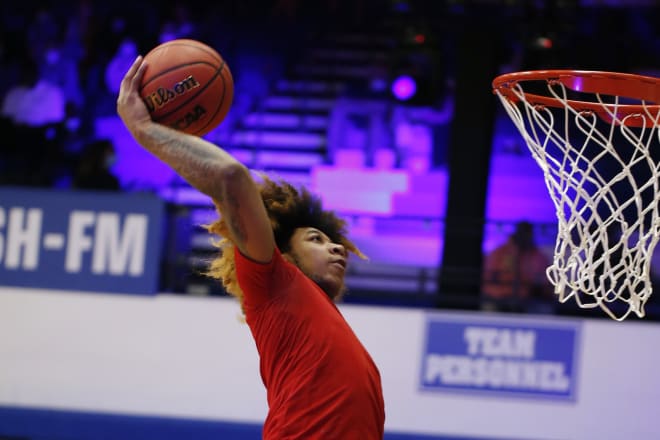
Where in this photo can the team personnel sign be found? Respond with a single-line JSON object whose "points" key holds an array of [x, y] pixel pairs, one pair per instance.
{"points": [[80, 241], [531, 358]]}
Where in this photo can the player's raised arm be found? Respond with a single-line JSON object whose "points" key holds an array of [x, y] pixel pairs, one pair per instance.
{"points": [[205, 166]]}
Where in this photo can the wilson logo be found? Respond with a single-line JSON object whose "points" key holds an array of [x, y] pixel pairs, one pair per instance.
{"points": [[163, 96]]}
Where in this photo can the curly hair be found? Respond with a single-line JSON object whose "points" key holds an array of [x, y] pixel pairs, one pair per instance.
{"points": [[288, 209]]}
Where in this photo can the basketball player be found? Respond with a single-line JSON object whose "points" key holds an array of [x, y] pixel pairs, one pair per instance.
{"points": [[284, 258]]}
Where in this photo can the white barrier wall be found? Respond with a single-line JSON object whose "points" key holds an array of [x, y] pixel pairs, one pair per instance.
{"points": [[192, 357]]}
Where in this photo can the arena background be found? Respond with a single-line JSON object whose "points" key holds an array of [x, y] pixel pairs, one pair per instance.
{"points": [[107, 329]]}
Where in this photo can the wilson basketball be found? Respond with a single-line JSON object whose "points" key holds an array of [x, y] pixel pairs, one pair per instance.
{"points": [[187, 86]]}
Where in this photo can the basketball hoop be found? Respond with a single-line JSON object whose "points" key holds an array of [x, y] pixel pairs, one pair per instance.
{"points": [[596, 137]]}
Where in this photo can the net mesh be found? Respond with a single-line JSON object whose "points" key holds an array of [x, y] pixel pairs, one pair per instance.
{"points": [[601, 169]]}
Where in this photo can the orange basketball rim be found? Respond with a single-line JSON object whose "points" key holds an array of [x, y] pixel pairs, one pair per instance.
{"points": [[644, 89]]}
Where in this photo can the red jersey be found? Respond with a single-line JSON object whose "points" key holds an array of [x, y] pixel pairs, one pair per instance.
{"points": [[321, 382]]}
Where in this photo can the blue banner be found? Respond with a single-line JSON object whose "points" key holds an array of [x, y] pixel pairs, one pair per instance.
{"points": [[91, 241], [516, 357]]}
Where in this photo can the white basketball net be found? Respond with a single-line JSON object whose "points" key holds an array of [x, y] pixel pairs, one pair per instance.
{"points": [[602, 255]]}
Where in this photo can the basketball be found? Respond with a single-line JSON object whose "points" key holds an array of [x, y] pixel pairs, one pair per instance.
{"points": [[187, 86]]}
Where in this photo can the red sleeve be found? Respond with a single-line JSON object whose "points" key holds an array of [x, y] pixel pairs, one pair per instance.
{"points": [[260, 281]]}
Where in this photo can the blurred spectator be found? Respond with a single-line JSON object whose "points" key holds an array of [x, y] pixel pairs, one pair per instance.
{"points": [[16, 93], [286, 10], [42, 29], [33, 110], [514, 275], [179, 24], [34, 101], [119, 64], [59, 66], [93, 168]]}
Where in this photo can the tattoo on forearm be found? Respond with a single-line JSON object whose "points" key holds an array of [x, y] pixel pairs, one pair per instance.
{"points": [[192, 161], [201, 164], [237, 225]]}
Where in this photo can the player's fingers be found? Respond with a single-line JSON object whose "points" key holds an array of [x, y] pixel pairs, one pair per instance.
{"points": [[127, 81], [137, 79]]}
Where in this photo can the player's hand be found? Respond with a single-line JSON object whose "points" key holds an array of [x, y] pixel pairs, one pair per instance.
{"points": [[130, 107]]}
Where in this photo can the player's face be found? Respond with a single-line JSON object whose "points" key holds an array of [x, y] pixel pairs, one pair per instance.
{"points": [[320, 259]]}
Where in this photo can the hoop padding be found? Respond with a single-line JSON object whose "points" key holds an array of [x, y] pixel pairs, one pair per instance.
{"points": [[601, 164]]}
